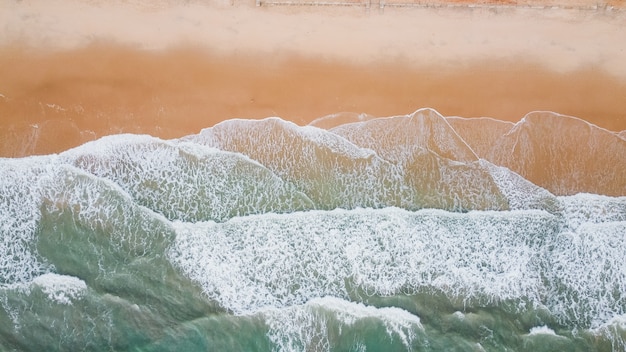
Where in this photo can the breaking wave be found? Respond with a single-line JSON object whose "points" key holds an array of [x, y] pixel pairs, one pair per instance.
{"points": [[414, 232]]}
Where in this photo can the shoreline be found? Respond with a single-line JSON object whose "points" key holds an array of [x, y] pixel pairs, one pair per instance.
{"points": [[94, 77], [172, 93]]}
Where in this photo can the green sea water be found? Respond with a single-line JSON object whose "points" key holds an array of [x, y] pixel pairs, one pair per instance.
{"points": [[131, 243]]}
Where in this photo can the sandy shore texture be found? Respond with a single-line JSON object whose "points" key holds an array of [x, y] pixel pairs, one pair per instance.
{"points": [[72, 70]]}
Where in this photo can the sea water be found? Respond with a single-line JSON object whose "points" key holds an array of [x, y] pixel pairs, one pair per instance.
{"points": [[398, 234]]}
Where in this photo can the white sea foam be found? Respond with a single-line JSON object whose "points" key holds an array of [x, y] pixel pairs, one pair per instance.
{"points": [[306, 327], [581, 157], [587, 274], [330, 170], [520, 193], [339, 145], [219, 135], [251, 263], [28, 186], [541, 330], [398, 138], [335, 173], [187, 181], [101, 206], [61, 289], [21, 183], [592, 208]]}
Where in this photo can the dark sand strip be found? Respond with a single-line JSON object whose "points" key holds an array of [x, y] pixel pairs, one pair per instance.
{"points": [[109, 88]]}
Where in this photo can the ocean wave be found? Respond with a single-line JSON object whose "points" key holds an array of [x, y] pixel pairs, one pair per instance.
{"points": [[408, 228]]}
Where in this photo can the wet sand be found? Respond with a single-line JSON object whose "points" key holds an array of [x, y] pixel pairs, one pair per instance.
{"points": [[86, 78]]}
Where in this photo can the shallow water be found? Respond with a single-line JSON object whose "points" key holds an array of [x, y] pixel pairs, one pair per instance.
{"points": [[394, 234]]}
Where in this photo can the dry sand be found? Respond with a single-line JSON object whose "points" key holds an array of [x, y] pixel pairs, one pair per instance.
{"points": [[171, 68]]}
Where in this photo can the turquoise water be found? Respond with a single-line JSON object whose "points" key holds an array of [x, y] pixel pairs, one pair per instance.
{"points": [[267, 236]]}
